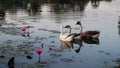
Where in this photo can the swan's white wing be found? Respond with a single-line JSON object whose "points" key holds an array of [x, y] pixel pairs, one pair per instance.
{"points": [[65, 35]]}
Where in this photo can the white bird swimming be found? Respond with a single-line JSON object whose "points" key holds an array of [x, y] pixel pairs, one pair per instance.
{"points": [[68, 36]]}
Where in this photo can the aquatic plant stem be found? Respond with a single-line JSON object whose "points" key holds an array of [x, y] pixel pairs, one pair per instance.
{"points": [[39, 58]]}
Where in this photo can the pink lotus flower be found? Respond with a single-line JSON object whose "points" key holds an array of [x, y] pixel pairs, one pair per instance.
{"points": [[39, 51], [23, 29]]}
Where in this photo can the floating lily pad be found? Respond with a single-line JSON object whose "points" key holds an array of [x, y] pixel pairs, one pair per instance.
{"points": [[29, 57], [107, 53], [52, 41], [42, 29], [55, 55], [66, 60], [54, 31], [52, 36], [2, 56], [100, 51], [57, 50]]}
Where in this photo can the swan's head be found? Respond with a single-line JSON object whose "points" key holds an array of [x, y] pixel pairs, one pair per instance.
{"points": [[67, 26], [78, 23]]}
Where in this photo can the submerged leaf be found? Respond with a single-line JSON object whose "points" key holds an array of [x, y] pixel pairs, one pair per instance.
{"points": [[55, 55], [29, 57], [67, 60]]}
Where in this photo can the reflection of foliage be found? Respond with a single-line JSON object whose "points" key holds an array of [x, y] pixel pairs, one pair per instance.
{"points": [[9, 3], [34, 5], [95, 3], [118, 62], [59, 3]]}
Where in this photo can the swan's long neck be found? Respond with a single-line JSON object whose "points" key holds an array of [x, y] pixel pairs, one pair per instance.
{"points": [[80, 29], [69, 30], [61, 30]]}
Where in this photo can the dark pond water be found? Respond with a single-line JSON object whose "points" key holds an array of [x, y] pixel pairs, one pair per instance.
{"points": [[17, 51]]}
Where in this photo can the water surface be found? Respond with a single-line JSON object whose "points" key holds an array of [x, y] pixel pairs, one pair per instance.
{"points": [[45, 30]]}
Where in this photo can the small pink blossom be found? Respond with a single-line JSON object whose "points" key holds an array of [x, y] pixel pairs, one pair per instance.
{"points": [[39, 51], [23, 29]]}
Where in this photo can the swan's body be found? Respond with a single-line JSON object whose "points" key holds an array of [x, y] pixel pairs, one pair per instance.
{"points": [[88, 34], [68, 36]]}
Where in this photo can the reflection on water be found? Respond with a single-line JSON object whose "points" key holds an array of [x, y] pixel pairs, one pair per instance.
{"points": [[79, 42], [91, 41], [11, 62], [2, 17], [44, 18], [95, 3], [119, 25], [66, 45], [61, 5]]}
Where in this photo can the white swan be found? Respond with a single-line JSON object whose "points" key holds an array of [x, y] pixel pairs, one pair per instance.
{"points": [[68, 36]]}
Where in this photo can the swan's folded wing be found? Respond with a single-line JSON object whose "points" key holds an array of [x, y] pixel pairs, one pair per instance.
{"points": [[66, 36], [69, 35]]}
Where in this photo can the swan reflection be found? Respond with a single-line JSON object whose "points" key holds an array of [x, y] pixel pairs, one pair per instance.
{"points": [[70, 45], [66, 45], [79, 42], [91, 41]]}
